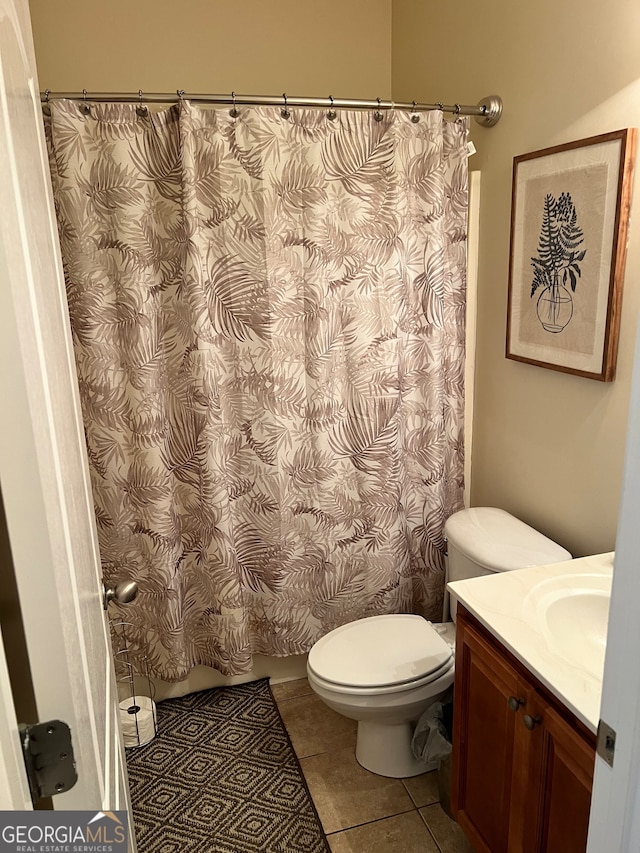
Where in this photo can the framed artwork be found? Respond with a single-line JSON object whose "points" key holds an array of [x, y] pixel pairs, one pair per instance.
{"points": [[569, 221]]}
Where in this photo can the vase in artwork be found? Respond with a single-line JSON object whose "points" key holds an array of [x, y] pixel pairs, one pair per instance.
{"points": [[554, 308]]}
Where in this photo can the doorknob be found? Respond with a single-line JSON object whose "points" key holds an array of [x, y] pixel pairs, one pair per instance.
{"points": [[122, 592]]}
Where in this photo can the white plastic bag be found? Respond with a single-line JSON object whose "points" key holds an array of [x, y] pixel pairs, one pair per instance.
{"points": [[430, 741]]}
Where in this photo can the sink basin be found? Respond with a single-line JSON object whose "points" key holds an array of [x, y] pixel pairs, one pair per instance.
{"points": [[572, 612]]}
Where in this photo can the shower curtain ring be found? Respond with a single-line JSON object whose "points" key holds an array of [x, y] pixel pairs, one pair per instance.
{"points": [[85, 107], [440, 106], [47, 92], [378, 113], [180, 93], [457, 109], [415, 118], [331, 114], [233, 112], [284, 112], [141, 109]]}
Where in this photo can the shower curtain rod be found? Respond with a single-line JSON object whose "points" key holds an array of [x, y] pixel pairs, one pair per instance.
{"points": [[487, 112]]}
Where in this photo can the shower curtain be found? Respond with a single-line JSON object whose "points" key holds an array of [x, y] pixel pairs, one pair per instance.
{"points": [[268, 323]]}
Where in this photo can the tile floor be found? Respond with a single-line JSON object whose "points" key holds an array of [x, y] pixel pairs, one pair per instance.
{"points": [[361, 812]]}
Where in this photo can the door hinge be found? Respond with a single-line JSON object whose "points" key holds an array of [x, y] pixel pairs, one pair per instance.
{"points": [[606, 742], [48, 756]]}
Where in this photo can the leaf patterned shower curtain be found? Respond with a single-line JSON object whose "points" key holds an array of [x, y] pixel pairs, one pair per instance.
{"points": [[268, 322]]}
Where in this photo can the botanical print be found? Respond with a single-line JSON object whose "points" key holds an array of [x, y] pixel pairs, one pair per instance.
{"points": [[268, 322], [557, 264], [569, 226], [563, 241]]}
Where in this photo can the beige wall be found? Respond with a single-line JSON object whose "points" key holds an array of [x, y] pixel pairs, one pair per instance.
{"points": [[547, 446], [336, 47]]}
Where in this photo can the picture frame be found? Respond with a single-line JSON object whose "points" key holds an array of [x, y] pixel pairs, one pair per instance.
{"points": [[569, 222]]}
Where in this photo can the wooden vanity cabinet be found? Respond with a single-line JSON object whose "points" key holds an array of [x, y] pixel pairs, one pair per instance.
{"points": [[522, 763]]}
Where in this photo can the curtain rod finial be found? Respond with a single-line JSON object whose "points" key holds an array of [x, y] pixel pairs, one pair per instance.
{"points": [[492, 106]]}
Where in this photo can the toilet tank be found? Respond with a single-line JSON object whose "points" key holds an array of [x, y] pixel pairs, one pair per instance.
{"points": [[484, 540]]}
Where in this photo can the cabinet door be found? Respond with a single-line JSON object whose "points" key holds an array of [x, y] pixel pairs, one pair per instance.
{"points": [[487, 742], [567, 763]]}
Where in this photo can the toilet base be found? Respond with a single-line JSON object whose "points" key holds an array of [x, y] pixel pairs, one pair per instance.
{"points": [[386, 750]]}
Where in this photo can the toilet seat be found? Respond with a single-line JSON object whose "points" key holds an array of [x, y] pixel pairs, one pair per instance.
{"points": [[350, 690], [380, 654]]}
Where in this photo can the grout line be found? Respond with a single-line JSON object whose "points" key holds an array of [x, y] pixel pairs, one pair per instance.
{"points": [[325, 752], [291, 698], [377, 820], [431, 832], [424, 805], [409, 793]]}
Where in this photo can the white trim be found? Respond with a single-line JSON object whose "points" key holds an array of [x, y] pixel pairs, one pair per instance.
{"points": [[14, 787], [473, 235]]}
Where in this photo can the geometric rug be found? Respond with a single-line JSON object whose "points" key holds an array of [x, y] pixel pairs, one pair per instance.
{"points": [[221, 776]]}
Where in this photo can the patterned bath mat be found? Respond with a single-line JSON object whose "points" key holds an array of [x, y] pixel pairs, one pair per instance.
{"points": [[221, 776]]}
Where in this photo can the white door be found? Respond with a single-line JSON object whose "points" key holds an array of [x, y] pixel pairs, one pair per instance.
{"points": [[43, 468], [615, 809]]}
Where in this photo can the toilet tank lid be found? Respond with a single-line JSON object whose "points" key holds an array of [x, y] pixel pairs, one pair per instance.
{"points": [[498, 541], [379, 651]]}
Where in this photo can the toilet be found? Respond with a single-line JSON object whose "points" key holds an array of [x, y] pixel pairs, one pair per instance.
{"points": [[385, 671]]}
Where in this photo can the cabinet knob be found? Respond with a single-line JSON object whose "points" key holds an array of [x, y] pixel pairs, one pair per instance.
{"points": [[514, 703], [530, 721]]}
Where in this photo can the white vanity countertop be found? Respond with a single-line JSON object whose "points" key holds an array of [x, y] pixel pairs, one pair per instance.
{"points": [[502, 602]]}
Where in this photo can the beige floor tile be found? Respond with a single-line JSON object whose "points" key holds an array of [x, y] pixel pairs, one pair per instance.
{"points": [[315, 728], [347, 795], [404, 833], [423, 789], [447, 833], [290, 690]]}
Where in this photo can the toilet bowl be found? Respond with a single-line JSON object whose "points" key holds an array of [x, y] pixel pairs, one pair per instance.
{"points": [[382, 671], [385, 671]]}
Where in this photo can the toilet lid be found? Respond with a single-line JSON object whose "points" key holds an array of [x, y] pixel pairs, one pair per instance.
{"points": [[379, 651], [498, 541]]}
